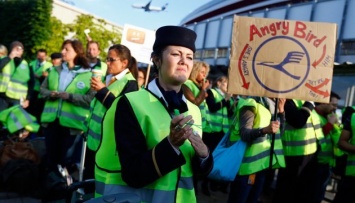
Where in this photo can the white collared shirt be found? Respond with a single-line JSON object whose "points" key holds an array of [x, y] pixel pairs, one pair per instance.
{"points": [[118, 76]]}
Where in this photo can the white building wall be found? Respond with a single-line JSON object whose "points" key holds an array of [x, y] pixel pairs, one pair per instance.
{"points": [[68, 13]]}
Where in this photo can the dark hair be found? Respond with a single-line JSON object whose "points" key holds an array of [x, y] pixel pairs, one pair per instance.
{"points": [[219, 79], [144, 71], [93, 42], [124, 53], [333, 94], [80, 58], [159, 55], [42, 50]]}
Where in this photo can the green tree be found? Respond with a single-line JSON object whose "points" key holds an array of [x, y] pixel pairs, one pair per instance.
{"points": [[100, 31], [59, 31], [26, 21]]}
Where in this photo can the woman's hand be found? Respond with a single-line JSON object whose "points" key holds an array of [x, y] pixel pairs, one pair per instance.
{"points": [[54, 95], [200, 147], [180, 130], [63, 95], [281, 105], [25, 103], [96, 84], [273, 127], [205, 84]]}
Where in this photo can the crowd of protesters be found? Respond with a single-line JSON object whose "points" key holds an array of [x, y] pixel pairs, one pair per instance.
{"points": [[155, 141]]}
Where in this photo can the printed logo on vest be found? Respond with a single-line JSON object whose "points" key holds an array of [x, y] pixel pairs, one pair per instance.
{"points": [[80, 85], [23, 66]]}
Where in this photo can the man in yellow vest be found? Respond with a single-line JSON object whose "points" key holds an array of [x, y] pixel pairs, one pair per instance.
{"points": [[93, 52], [19, 88], [296, 182], [326, 156], [39, 67]]}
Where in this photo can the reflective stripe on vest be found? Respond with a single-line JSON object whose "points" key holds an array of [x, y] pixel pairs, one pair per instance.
{"points": [[16, 118], [146, 194], [219, 120], [98, 110], [107, 159], [70, 115], [350, 164], [5, 75], [17, 87], [303, 141], [257, 153]]}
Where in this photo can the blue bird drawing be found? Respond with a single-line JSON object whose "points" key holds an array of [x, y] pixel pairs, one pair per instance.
{"points": [[292, 57]]}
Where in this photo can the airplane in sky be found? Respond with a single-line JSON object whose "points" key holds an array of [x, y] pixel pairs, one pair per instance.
{"points": [[148, 7]]}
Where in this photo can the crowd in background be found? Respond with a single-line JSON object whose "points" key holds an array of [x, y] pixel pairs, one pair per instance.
{"points": [[311, 143]]}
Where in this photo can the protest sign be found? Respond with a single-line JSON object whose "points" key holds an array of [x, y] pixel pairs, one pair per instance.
{"points": [[282, 58], [139, 41]]}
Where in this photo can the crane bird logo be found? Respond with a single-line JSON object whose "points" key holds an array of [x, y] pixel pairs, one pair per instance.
{"points": [[291, 57], [277, 74]]}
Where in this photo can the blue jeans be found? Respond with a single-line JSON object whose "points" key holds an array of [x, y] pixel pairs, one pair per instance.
{"points": [[242, 192]]}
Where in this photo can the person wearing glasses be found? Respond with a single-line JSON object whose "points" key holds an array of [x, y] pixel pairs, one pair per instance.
{"points": [[67, 95], [152, 137], [122, 71]]}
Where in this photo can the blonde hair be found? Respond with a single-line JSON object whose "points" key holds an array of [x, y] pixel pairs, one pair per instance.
{"points": [[3, 50], [196, 69]]}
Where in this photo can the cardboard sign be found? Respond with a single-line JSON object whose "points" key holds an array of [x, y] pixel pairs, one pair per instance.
{"points": [[140, 42], [282, 58]]}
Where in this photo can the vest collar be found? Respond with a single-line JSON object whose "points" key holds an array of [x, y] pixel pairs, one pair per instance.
{"points": [[154, 89]]}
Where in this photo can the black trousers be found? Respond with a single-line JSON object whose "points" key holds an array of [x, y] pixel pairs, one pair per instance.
{"points": [[61, 147]]}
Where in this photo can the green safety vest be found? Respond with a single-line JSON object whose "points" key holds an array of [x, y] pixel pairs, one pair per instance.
{"points": [[325, 154], [16, 118], [176, 186], [5, 75], [257, 153], [103, 68], [350, 164], [38, 71], [203, 106], [219, 120], [69, 114], [17, 87], [98, 110], [303, 141]]}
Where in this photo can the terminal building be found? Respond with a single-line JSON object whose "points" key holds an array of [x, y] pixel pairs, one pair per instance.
{"points": [[213, 23]]}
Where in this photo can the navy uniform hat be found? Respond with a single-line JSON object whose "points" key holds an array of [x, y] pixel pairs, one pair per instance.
{"points": [[56, 56], [174, 35]]}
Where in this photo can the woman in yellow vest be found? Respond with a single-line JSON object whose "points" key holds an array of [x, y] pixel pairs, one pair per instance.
{"points": [[219, 113], [155, 131], [255, 126], [122, 68], [68, 95], [195, 90]]}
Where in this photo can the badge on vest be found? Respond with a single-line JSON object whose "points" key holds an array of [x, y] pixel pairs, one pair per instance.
{"points": [[23, 66], [80, 85]]}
